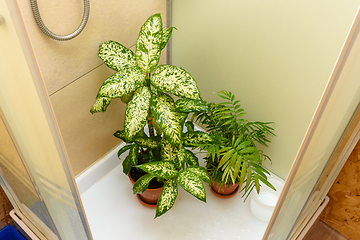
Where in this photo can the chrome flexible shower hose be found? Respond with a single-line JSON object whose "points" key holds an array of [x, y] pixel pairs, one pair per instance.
{"points": [[40, 23]]}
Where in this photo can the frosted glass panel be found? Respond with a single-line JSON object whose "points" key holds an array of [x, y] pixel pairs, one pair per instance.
{"points": [[339, 103]]}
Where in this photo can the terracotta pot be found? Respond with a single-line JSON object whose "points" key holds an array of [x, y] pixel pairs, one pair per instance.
{"points": [[224, 191], [149, 197]]}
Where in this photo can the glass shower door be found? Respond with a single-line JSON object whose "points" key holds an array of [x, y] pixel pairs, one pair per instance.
{"points": [[45, 193], [339, 103]]}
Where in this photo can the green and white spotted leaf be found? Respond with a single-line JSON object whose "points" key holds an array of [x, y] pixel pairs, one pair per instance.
{"points": [[124, 149], [192, 160], [116, 56], [181, 158], [127, 164], [100, 105], [148, 44], [165, 37], [123, 82], [190, 105], [192, 184], [200, 172], [147, 142], [160, 169], [167, 197], [195, 138], [168, 152], [120, 134], [133, 154], [175, 80], [142, 183], [136, 112], [171, 122]]}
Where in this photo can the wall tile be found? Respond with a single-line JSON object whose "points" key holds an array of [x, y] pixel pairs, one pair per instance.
{"points": [[87, 136], [62, 62]]}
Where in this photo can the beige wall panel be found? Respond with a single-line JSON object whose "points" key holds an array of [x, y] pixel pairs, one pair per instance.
{"points": [[62, 62], [275, 56], [87, 136]]}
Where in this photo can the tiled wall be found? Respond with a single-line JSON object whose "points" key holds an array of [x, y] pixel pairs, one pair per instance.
{"points": [[73, 73]]}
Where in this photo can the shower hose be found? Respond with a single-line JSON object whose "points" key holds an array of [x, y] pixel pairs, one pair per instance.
{"points": [[40, 23]]}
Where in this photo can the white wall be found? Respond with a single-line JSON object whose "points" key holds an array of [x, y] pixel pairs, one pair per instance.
{"points": [[275, 56]]}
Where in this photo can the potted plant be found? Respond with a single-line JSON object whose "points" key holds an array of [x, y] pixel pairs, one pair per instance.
{"points": [[235, 159], [159, 152]]}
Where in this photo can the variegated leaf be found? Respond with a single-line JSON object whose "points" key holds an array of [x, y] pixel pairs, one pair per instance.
{"points": [[142, 183], [136, 112], [120, 134], [168, 151], [181, 158], [116, 56], [192, 184], [134, 153], [127, 164], [175, 80], [192, 139], [171, 122], [190, 105], [100, 105], [165, 37], [123, 149], [147, 142], [192, 160], [167, 197], [160, 169], [124, 82], [201, 173], [148, 44]]}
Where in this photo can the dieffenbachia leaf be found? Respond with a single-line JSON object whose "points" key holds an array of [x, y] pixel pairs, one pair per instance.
{"points": [[116, 56], [167, 197], [136, 112], [165, 37], [123, 149], [148, 48], [120, 134], [181, 158], [192, 184], [160, 169], [190, 105], [189, 126], [200, 172], [192, 160], [134, 153], [147, 142], [171, 122], [127, 164], [175, 80], [194, 138], [100, 105], [126, 81], [142, 183], [168, 152]]}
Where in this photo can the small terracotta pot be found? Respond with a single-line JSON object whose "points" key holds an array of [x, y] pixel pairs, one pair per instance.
{"points": [[149, 197], [225, 190]]}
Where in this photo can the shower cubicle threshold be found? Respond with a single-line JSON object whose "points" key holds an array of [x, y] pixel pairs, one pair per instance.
{"points": [[114, 212]]}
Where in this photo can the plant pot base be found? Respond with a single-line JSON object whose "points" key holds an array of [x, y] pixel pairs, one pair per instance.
{"points": [[146, 204], [224, 195]]}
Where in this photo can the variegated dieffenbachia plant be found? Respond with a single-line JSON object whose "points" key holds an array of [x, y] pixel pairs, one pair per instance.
{"points": [[146, 87]]}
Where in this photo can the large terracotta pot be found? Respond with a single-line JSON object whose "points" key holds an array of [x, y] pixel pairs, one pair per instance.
{"points": [[224, 190], [149, 197]]}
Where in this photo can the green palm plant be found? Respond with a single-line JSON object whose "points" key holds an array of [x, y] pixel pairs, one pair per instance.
{"points": [[235, 158], [144, 87]]}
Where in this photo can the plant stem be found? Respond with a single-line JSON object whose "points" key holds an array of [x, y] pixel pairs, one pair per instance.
{"points": [[149, 119]]}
